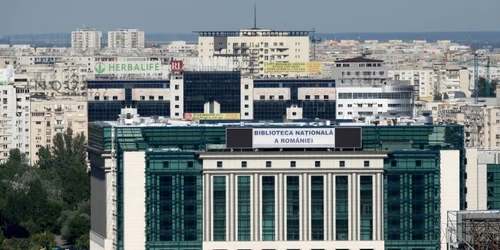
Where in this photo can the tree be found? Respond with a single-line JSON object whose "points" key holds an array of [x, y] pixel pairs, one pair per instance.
{"points": [[77, 226], [70, 163], [445, 96], [437, 97], [83, 242], [44, 240]]}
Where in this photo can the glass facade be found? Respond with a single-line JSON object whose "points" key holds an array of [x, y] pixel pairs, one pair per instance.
{"points": [[211, 86], [173, 201], [268, 208], [292, 208], [311, 109], [341, 207], [174, 195], [244, 205], [493, 186], [366, 207], [219, 218], [317, 208], [412, 200], [108, 109]]}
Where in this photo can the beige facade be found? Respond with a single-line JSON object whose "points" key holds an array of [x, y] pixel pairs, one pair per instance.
{"points": [[86, 39], [55, 115], [127, 39], [255, 47]]}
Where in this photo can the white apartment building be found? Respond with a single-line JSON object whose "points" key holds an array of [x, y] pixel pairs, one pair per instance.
{"points": [[127, 39], [360, 100], [180, 46], [14, 118], [255, 47], [86, 39], [427, 81]]}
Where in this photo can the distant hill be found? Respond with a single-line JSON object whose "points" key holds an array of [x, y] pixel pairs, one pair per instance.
{"points": [[477, 39]]}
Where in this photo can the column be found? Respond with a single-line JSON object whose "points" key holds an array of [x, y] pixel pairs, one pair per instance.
{"points": [[380, 200], [256, 209], [281, 216], [375, 208], [333, 207], [328, 208], [303, 199], [230, 188]]}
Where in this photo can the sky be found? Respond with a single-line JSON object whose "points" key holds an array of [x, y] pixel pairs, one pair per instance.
{"points": [[185, 16]]}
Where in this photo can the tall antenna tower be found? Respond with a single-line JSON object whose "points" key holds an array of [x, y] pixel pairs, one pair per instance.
{"points": [[255, 15]]}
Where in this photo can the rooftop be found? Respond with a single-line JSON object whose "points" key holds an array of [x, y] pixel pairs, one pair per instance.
{"points": [[358, 59]]}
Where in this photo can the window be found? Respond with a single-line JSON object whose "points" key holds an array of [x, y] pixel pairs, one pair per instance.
{"points": [[294, 113], [380, 105], [176, 97], [246, 113], [349, 105], [246, 86], [308, 97], [360, 105], [342, 164], [280, 97], [325, 97], [246, 105], [317, 164], [96, 98], [268, 164], [394, 163], [418, 163], [340, 105], [219, 164], [165, 164], [176, 86], [176, 106], [243, 164], [160, 97], [151, 97], [271, 97], [176, 114], [115, 98], [316, 97], [292, 164], [142, 97], [367, 163], [190, 164], [262, 97], [246, 98], [106, 97]]}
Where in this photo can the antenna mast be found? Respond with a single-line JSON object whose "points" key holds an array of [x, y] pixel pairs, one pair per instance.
{"points": [[255, 15]]}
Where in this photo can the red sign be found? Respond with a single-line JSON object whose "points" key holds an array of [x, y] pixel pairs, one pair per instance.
{"points": [[176, 66]]}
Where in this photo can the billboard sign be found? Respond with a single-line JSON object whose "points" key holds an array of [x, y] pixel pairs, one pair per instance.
{"points": [[293, 137], [176, 66], [127, 67], [297, 67], [203, 116]]}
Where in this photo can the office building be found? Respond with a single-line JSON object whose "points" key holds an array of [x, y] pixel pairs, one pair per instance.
{"points": [[363, 100], [86, 39], [227, 93], [359, 70], [126, 39], [232, 186], [256, 47]]}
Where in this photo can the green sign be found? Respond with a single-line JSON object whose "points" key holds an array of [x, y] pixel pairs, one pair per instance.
{"points": [[126, 68]]}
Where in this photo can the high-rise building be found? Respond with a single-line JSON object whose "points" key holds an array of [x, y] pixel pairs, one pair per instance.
{"points": [[273, 186], [15, 117], [256, 47], [127, 39], [86, 39]]}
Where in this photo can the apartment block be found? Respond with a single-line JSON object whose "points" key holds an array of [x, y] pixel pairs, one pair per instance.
{"points": [[126, 39], [86, 39], [256, 47]]}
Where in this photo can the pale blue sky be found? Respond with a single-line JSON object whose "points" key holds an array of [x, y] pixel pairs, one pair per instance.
{"points": [[184, 16]]}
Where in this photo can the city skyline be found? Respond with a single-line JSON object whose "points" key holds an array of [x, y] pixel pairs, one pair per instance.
{"points": [[155, 16]]}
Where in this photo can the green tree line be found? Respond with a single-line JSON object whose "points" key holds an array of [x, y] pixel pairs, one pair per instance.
{"points": [[48, 199]]}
